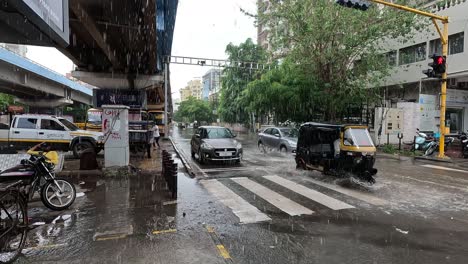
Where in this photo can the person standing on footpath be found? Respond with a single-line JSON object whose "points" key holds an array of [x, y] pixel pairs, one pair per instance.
{"points": [[156, 136]]}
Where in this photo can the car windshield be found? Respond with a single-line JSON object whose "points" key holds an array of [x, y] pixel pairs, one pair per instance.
{"points": [[94, 116], [68, 124], [218, 133], [290, 132], [360, 137]]}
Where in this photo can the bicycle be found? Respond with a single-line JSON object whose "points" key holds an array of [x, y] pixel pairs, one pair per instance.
{"points": [[13, 221]]}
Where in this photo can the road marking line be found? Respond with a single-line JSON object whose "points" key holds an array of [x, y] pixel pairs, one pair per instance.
{"points": [[104, 238], [284, 204], [435, 183], [246, 212], [443, 168], [355, 194], [230, 169], [157, 232], [313, 195], [223, 252]]}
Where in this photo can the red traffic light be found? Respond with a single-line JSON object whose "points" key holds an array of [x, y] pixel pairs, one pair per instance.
{"points": [[440, 60]]}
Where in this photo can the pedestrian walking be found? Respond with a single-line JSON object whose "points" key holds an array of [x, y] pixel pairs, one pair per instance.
{"points": [[156, 136]]}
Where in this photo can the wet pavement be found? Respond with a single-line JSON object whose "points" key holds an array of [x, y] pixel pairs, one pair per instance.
{"points": [[415, 213]]}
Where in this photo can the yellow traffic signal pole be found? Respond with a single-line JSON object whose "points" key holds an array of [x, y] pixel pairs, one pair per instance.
{"points": [[444, 39]]}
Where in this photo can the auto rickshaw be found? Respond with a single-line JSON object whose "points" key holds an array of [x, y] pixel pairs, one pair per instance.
{"points": [[340, 150]]}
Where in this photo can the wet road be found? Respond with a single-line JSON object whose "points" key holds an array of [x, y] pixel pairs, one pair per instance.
{"points": [[261, 211], [416, 212]]}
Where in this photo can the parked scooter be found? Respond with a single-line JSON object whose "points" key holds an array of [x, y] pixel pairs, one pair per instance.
{"points": [[424, 143], [464, 142], [36, 174]]}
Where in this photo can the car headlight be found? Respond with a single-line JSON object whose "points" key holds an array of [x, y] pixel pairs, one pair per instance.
{"points": [[100, 138], [292, 144], [239, 145], [206, 146]]}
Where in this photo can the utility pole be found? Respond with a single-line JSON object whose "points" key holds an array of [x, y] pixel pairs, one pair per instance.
{"points": [[365, 4]]}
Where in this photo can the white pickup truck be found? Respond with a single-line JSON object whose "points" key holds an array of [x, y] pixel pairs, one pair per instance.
{"points": [[29, 130]]}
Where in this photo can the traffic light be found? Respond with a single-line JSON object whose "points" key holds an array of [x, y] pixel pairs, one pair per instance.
{"points": [[438, 66], [357, 4]]}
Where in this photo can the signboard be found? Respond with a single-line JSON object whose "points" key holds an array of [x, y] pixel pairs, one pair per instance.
{"points": [[15, 109], [51, 11], [428, 112], [130, 98], [457, 96], [49, 16]]}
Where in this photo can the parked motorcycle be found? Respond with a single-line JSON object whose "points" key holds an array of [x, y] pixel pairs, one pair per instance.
{"points": [[464, 142], [434, 147], [424, 143], [36, 175]]}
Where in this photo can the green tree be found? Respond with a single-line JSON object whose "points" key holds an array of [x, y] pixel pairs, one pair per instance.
{"points": [[285, 93], [335, 51], [6, 100], [235, 80], [194, 110]]}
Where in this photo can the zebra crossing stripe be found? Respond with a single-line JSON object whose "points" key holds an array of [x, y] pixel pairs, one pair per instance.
{"points": [[246, 212], [318, 197], [368, 198], [284, 204]]}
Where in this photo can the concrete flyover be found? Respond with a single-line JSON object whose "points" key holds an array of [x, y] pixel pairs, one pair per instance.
{"points": [[120, 44], [37, 86]]}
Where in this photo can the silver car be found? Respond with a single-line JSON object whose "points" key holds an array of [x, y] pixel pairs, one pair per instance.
{"points": [[283, 139], [214, 143]]}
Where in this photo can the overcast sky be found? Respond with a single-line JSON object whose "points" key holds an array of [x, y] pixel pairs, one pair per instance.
{"points": [[203, 29]]}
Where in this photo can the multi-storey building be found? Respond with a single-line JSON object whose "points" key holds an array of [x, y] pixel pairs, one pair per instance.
{"points": [[211, 84], [408, 88], [193, 89]]}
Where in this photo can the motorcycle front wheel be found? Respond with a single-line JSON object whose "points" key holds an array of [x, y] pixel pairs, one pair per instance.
{"points": [[431, 150], [57, 198]]}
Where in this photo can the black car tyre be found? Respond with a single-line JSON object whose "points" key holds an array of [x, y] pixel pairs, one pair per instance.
{"points": [[192, 153], [261, 147], [201, 159], [283, 149], [79, 147]]}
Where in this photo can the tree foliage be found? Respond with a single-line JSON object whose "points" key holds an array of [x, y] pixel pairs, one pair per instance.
{"points": [[194, 110], [334, 54], [235, 80]]}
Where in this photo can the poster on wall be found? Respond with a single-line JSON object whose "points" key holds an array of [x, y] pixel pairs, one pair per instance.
{"points": [[428, 112]]}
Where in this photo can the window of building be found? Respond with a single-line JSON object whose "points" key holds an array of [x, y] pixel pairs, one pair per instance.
{"points": [[456, 43], [27, 123], [391, 57], [413, 54]]}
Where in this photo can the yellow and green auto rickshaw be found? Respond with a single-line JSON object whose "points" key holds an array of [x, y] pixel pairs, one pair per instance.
{"points": [[340, 150]]}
